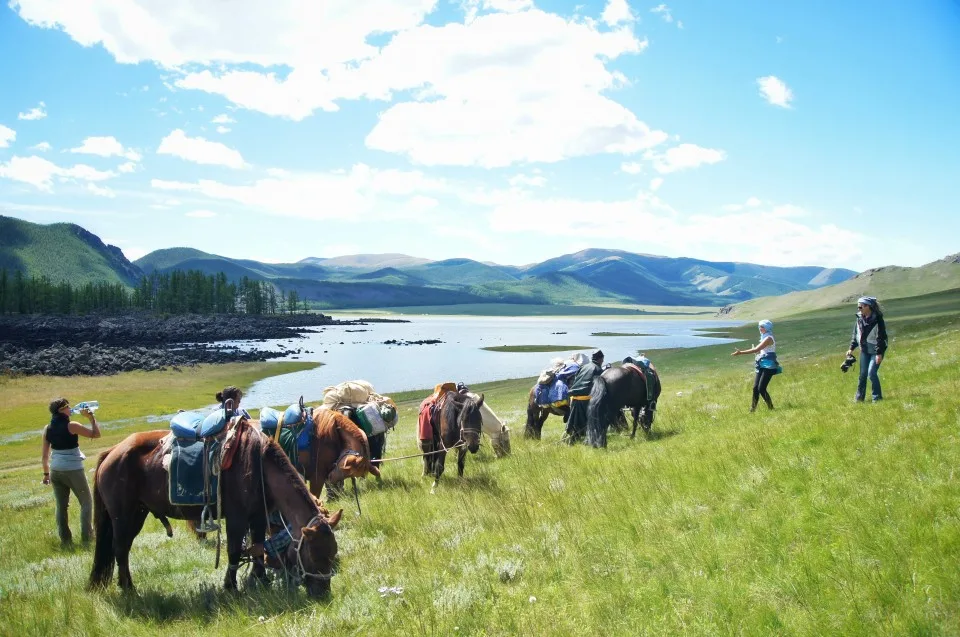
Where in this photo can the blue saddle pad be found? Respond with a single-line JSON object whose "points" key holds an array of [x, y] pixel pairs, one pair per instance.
{"points": [[269, 417], [194, 426], [545, 395], [187, 472]]}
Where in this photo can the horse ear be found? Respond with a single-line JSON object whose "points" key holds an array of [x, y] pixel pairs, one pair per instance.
{"points": [[334, 519], [308, 533]]}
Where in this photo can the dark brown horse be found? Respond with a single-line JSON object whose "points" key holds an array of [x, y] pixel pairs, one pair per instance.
{"points": [[537, 415], [339, 449], [614, 389], [131, 482], [456, 425]]}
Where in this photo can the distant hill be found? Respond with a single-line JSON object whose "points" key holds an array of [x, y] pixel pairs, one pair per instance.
{"points": [[593, 276], [888, 282], [64, 252]]}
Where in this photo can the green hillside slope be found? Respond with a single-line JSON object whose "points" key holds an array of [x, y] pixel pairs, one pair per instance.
{"points": [[64, 252], [884, 283]]}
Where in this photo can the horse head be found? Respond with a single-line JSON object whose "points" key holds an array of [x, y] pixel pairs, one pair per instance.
{"points": [[471, 423], [353, 460], [314, 554]]}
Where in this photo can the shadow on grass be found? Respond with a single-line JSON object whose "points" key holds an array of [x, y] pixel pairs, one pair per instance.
{"points": [[206, 603]]}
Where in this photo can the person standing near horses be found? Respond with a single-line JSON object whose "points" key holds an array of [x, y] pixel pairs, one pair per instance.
{"points": [[580, 396], [63, 466], [870, 336], [766, 363]]}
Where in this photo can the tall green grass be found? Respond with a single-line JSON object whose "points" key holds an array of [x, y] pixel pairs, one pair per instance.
{"points": [[820, 517]]}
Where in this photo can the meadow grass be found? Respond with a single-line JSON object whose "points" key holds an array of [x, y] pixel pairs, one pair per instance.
{"points": [[126, 401], [820, 517]]}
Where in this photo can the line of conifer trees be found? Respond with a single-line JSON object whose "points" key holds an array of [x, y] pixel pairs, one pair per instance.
{"points": [[175, 292]]}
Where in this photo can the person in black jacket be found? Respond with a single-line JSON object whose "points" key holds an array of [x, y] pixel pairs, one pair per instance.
{"points": [[870, 336]]}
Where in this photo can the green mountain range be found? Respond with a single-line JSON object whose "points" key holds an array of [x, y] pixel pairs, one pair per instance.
{"points": [[63, 252], [593, 276]]}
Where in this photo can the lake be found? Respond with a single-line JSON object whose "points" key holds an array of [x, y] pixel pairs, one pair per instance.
{"points": [[351, 352]]}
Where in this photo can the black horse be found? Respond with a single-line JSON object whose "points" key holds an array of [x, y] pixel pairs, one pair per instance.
{"points": [[537, 415], [614, 389], [456, 425]]}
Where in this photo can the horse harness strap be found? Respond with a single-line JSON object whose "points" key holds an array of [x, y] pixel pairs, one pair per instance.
{"points": [[587, 397], [302, 572]]}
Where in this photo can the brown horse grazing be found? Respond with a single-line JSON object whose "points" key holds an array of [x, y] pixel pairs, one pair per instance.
{"points": [[537, 415], [456, 426], [339, 449], [131, 481]]}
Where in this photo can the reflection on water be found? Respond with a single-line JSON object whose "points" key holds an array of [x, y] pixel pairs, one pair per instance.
{"points": [[348, 353]]}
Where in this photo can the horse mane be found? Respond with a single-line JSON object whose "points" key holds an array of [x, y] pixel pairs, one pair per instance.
{"points": [[275, 455], [327, 421]]}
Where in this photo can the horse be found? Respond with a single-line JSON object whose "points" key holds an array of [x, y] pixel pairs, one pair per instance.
{"points": [[456, 425], [339, 449], [537, 415], [130, 482], [614, 389]]}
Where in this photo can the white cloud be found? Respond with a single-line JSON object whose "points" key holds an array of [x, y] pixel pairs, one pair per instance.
{"points": [[664, 12], [351, 195], [40, 173], [106, 147], [775, 91], [632, 168], [127, 167], [223, 119], [515, 85], [199, 150], [101, 192], [201, 214], [685, 156], [223, 129], [42, 147], [7, 135], [724, 236], [37, 112], [655, 183], [616, 11], [528, 180], [753, 202]]}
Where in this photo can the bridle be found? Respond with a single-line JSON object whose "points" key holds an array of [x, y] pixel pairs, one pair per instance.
{"points": [[302, 573]]}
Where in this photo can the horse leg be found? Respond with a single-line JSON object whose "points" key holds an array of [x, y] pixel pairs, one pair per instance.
{"points": [[635, 413], [438, 465], [461, 460], [258, 533], [236, 529], [124, 530], [532, 429]]}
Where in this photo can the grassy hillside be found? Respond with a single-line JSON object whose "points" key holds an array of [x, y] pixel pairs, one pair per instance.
{"points": [[821, 517], [63, 252], [884, 283], [459, 272]]}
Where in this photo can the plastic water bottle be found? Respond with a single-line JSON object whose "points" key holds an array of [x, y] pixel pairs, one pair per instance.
{"points": [[92, 405]]}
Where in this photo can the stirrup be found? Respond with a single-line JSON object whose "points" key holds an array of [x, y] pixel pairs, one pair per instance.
{"points": [[207, 523]]}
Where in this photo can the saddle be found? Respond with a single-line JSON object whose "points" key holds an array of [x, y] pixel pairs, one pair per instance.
{"points": [[199, 448]]}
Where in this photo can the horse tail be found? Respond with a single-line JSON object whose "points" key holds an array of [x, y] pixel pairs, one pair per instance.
{"points": [[597, 421], [103, 555], [530, 431]]}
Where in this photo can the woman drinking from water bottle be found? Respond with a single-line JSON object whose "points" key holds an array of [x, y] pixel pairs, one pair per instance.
{"points": [[63, 468]]}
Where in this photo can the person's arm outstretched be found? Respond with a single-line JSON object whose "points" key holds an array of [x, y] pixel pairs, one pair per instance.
{"points": [[764, 342]]}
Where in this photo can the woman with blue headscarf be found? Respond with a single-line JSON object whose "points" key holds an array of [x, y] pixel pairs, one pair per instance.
{"points": [[766, 363], [870, 335]]}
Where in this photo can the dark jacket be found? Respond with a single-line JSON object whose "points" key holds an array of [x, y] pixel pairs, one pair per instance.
{"points": [[869, 335], [59, 436], [583, 381]]}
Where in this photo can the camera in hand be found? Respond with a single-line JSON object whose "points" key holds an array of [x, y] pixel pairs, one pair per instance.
{"points": [[848, 363]]}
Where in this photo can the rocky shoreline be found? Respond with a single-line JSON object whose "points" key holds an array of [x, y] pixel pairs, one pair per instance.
{"points": [[104, 345]]}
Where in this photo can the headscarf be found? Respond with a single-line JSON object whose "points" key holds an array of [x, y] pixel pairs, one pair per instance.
{"points": [[868, 300], [766, 325]]}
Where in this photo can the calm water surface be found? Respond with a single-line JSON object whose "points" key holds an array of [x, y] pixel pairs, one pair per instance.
{"points": [[350, 354]]}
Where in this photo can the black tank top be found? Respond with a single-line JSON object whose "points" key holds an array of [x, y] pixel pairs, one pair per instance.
{"points": [[59, 436]]}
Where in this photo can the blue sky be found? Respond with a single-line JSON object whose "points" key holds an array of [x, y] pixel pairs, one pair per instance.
{"points": [[786, 133]]}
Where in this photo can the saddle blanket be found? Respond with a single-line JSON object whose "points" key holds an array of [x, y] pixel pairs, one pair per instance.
{"points": [[186, 474], [555, 392]]}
